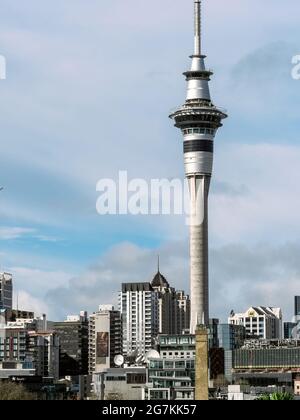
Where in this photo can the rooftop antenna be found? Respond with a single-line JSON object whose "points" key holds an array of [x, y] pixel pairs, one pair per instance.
{"points": [[158, 264], [198, 48]]}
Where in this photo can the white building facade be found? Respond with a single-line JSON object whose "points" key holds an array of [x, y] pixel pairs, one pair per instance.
{"points": [[138, 304], [260, 321]]}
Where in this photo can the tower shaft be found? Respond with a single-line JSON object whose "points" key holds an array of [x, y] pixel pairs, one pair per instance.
{"points": [[199, 274]]}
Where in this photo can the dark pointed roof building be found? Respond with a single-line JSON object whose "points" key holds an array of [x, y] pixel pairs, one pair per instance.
{"points": [[159, 281]]}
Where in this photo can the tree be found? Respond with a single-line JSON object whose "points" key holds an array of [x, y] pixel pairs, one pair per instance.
{"points": [[113, 396], [277, 396], [14, 392]]}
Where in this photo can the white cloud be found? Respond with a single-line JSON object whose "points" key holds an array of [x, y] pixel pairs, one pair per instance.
{"points": [[9, 233], [240, 276], [27, 302], [38, 281], [270, 209]]}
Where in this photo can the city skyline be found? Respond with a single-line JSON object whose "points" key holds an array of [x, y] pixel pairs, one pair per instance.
{"points": [[50, 232]]}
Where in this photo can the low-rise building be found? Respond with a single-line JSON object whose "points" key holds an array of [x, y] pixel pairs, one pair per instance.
{"points": [[297, 386], [171, 379], [176, 346], [120, 384], [267, 363]]}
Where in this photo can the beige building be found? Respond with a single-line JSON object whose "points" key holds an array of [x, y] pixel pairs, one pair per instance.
{"points": [[297, 386], [104, 338]]}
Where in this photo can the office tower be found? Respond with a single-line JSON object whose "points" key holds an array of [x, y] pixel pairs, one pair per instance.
{"points": [[183, 312], [262, 322], [73, 345], [105, 338], [138, 303], [6, 291], [173, 306], [199, 120]]}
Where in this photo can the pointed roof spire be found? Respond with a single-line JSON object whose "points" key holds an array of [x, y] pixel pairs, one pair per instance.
{"points": [[159, 280], [198, 48]]}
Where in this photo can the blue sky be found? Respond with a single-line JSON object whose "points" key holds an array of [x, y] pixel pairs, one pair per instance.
{"points": [[88, 92]]}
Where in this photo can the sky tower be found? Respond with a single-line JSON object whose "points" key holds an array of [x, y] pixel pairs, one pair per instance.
{"points": [[199, 120]]}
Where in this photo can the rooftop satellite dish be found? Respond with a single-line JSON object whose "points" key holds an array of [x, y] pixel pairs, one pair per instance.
{"points": [[152, 354], [119, 360]]}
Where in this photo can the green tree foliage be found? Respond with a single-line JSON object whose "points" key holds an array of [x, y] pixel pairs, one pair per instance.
{"points": [[277, 396]]}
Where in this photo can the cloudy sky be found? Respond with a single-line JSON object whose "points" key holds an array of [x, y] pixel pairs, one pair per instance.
{"points": [[88, 92]]}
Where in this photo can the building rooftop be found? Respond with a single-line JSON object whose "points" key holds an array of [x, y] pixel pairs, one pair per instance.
{"points": [[136, 287], [159, 281]]}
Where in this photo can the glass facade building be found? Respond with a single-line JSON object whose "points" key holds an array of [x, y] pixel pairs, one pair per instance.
{"points": [[231, 337]]}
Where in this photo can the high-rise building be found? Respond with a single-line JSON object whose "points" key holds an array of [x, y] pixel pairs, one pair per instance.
{"points": [[262, 322], [73, 345], [43, 352], [138, 303], [173, 307], [297, 308], [105, 338], [6, 291], [183, 312], [199, 120], [166, 304]]}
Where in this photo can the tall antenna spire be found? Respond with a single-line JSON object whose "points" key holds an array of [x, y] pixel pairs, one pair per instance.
{"points": [[197, 50], [158, 264]]}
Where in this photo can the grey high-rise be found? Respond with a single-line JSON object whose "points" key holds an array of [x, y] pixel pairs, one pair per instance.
{"points": [[297, 306], [199, 120], [6, 291]]}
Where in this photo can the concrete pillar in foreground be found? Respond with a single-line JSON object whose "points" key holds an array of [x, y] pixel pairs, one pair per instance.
{"points": [[201, 364]]}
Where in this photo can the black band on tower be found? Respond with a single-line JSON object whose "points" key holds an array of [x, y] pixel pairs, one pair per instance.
{"points": [[198, 146]]}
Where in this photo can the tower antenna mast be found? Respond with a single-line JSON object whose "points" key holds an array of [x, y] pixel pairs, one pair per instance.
{"points": [[198, 43]]}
